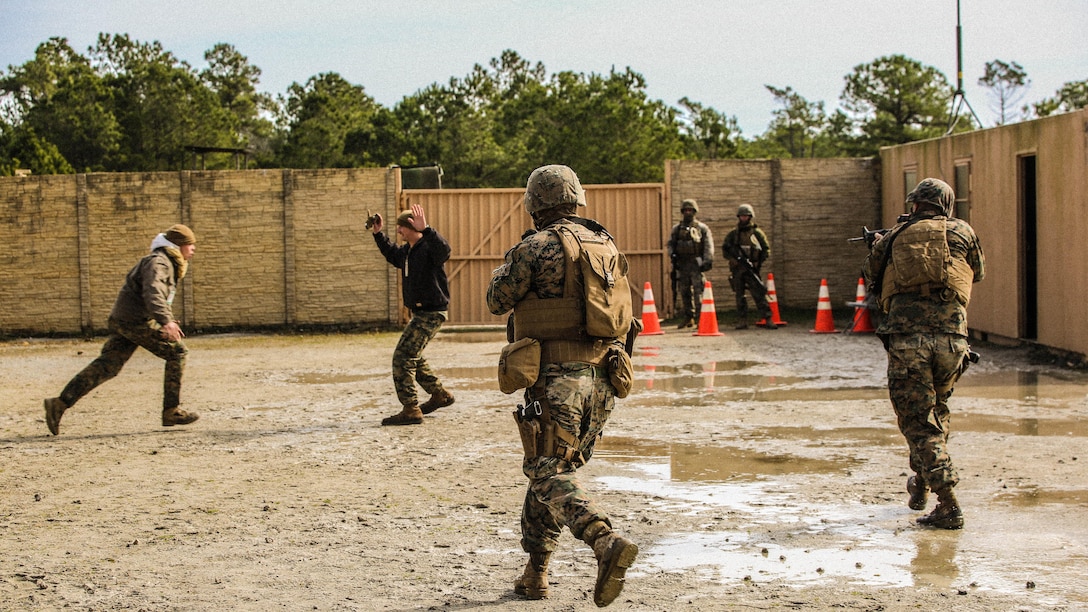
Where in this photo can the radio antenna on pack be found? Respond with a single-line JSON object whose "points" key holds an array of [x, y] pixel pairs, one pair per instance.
{"points": [[959, 98]]}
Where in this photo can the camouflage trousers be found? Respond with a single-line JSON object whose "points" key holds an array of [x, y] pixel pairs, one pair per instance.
{"points": [[690, 283], [122, 342], [581, 402], [922, 369], [741, 282], [409, 366]]}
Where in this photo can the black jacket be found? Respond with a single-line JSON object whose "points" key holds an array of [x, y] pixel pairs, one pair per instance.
{"points": [[424, 286]]}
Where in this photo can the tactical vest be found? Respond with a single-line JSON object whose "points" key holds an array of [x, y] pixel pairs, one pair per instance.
{"points": [[688, 241], [749, 245], [921, 262], [595, 309]]}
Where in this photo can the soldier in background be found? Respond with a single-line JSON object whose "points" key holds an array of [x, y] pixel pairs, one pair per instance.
{"points": [[691, 252], [141, 316], [921, 271], [425, 290], [747, 248], [574, 392]]}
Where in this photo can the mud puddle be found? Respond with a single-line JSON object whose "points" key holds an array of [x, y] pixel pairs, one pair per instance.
{"points": [[757, 520], [783, 538], [760, 524]]}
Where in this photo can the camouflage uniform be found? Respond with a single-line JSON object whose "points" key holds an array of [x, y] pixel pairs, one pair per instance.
{"points": [[141, 311], [578, 394], [409, 365], [581, 398], [691, 251], [926, 339], [425, 290], [119, 347], [742, 239]]}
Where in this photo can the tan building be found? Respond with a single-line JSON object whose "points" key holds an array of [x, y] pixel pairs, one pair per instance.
{"points": [[1024, 188]]}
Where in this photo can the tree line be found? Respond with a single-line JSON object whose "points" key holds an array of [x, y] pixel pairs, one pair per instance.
{"points": [[132, 106]]}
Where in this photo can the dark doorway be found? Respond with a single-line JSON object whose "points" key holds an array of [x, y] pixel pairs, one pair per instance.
{"points": [[1028, 240]]}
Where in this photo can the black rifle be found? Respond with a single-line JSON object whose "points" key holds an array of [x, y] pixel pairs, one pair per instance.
{"points": [[747, 266], [673, 284], [870, 236]]}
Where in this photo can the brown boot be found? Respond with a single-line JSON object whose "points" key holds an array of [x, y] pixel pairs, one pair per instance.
{"points": [[54, 409], [439, 399], [177, 416], [947, 514], [614, 555], [533, 583], [411, 415], [919, 493], [688, 322]]}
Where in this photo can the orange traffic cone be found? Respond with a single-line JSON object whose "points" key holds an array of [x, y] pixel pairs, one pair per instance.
{"points": [[825, 322], [862, 323], [772, 301], [708, 318], [651, 326]]}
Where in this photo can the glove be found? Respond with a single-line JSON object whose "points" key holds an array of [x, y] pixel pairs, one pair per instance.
{"points": [[706, 266]]}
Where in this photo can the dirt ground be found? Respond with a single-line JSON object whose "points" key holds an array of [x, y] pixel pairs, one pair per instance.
{"points": [[756, 470]]}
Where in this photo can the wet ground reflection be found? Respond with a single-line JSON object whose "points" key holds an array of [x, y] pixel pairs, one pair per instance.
{"points": [[325, 378], [750, 380], [759, 527], [701, 463], [749, 488], [774, 536]]}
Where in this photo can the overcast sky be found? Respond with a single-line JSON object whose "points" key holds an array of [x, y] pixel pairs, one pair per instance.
{"points": [[719, 53]]}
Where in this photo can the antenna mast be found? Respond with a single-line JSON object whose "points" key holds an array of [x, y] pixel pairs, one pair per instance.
{"points": [[959, 98]]}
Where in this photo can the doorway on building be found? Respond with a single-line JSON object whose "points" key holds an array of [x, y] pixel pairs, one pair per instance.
{"points": [[1028, 241]]}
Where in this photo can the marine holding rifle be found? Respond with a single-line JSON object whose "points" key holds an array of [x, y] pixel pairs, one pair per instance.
{"points": [[570, 343], [921, 272], [747, 248], [691, 253]]}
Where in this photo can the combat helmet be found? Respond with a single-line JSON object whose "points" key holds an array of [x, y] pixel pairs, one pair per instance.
{"points": [[689, 204], [550, 186], [745, 209], [933, 192]]}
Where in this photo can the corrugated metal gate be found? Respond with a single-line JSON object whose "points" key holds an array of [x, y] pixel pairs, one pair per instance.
{"points": [[482, 224]]}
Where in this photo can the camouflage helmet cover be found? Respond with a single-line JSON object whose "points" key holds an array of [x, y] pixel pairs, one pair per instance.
{"points": [[933, 192], [745, 209], [550, 186], [689, 204]]}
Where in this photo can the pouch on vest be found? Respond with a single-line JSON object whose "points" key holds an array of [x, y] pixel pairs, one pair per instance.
{"points": [[519, 365], [920, 255], [620, 372], [920, 261], [605, 288], [689, 241]]}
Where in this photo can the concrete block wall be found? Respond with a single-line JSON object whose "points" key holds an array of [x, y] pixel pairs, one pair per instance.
{"points": [[274, 247], [807, 207], [39, 254], [289, 247], [340, 276], [819, 204]]}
